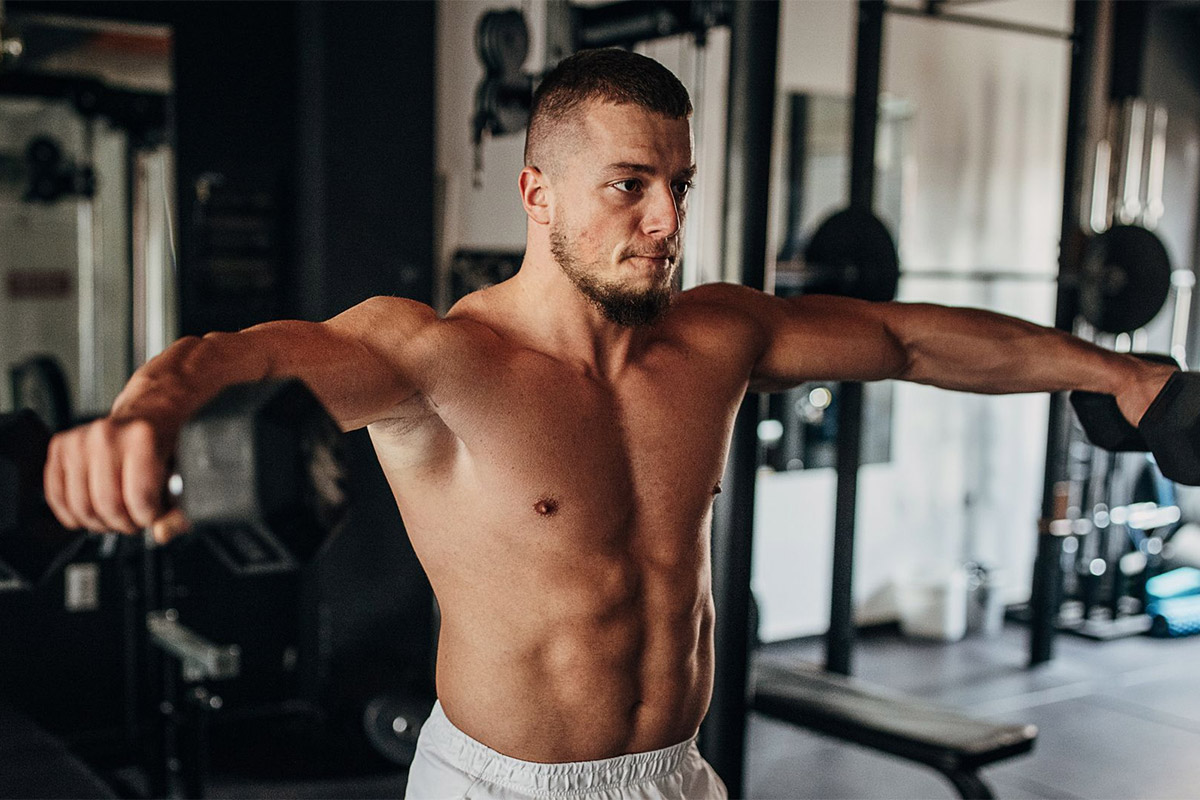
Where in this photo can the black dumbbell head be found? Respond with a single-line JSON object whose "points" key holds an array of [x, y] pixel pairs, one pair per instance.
{"points": [[1102, 420], [1105, 425], [262, 472], [1171, 427]]}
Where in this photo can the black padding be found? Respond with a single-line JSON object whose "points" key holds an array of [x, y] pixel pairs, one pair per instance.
{"points": [[806, 695], [1102, 420], [35, 764], [1171, 427], [1105, 425]]}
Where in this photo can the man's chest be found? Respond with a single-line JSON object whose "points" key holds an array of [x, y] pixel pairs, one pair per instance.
{"points": [[645, 448]]}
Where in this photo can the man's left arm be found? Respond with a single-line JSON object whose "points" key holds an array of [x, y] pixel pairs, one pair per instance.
{"points": [[833, 338]]}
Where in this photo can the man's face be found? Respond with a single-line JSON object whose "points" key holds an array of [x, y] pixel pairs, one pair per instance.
{"points": [[620, 202]]}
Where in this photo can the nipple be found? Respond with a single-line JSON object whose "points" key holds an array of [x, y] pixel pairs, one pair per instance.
{"points": [[716, 488], [547, 506]]}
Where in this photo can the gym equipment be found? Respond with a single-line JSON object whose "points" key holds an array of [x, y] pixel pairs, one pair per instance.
{"points": [[1125, 279], [954, 744], [260, 470], [259, 474], [1125, 273], [851, 254], [392, 722], [185, 715], [1102, 420], [505, 94], [1170, 428]]}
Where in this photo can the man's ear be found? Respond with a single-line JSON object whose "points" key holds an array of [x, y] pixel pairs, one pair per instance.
{"points": [[535, 194]]}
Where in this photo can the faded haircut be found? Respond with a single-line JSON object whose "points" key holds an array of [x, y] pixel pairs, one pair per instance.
{"points": [[610, 75]]}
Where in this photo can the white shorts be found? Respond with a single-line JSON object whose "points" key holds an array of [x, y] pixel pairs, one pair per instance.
{"points": [[450, 764]]}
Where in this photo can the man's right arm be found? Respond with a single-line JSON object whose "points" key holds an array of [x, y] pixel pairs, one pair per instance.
{"points": [[109, 475]]}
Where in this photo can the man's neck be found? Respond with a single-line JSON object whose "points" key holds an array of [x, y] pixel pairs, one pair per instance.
{"points": [[553, 312]]}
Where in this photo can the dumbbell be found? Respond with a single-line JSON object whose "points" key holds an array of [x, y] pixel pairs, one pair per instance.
{"points": [[1170, 428], [258, 472], [261, 473]]}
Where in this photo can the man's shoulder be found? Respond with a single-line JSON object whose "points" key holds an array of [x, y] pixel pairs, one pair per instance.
{"points": [[715, 315], [720, 302]]}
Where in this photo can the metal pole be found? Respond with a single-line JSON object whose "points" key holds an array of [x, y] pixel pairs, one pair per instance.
{"points": [[89, 266], [751, 110], [839, 640], [1044, 599]]}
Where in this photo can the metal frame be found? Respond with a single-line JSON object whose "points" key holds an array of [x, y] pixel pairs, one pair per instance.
{"points": [[1047, 582], [933, 11], [754, 35]]}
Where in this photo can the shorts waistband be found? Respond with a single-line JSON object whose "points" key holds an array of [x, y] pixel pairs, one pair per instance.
{"points": [[480, 761]]}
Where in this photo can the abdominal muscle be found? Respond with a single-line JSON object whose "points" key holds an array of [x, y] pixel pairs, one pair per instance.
{"points": [[576, 661]]}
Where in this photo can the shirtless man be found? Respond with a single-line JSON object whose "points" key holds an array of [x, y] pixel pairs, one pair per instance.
{"points": [[555, 443]]}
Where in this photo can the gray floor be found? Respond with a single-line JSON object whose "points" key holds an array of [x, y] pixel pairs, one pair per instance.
{"points": [[1118, 719]]}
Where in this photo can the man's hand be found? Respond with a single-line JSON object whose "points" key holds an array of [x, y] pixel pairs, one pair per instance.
{"points": [[1138, 390], [110, 475]]}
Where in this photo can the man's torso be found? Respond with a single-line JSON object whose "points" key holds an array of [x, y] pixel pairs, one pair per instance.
{"points": [[563, 519]]}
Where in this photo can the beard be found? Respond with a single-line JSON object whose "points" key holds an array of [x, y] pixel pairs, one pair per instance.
{"points": [[619, 304]]}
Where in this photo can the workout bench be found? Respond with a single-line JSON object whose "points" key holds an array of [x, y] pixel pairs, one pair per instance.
{"points": [[954, 744]]}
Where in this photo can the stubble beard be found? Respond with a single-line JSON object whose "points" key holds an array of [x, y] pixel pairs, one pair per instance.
{"points": [[628, 307]]}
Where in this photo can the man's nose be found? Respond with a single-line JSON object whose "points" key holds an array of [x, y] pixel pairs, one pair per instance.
{"points": [[662, 217]]}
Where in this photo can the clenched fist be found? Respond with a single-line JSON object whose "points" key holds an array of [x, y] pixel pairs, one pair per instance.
{"points": [[111, 475]]}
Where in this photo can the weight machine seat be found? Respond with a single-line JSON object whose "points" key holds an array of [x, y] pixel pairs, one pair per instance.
{"points": [[35, 764], [952, 743]]}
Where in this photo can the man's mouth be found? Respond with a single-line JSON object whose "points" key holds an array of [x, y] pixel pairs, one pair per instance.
{"points": [[666, 256]]}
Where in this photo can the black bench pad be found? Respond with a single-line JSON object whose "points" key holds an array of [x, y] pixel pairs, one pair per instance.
{"points": [[805, 695]]}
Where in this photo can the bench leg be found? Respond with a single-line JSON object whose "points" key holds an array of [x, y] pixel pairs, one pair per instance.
{"points": [[969, 785]]}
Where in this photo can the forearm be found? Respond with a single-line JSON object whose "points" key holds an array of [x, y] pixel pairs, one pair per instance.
{"points": [[981, 351], [358, 364], [189, 373]]}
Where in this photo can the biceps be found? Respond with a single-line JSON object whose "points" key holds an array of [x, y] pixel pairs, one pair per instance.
{"points": [[830, 339]]}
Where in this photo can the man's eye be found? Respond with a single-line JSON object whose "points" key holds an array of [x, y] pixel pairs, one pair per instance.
{"points": [[630, 185], [683, 187]]}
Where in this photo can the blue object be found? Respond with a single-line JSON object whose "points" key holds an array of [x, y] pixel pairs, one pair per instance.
{"points": [[1182, 582], [1176, 616]]}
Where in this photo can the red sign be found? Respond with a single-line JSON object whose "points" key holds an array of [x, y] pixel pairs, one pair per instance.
{"points": [[38, 284]]}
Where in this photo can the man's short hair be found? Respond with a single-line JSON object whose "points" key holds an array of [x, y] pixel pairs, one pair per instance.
{"points": [[610, 75]]}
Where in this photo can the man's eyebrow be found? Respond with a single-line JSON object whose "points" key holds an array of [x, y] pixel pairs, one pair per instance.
{"points": [[645, 169]]}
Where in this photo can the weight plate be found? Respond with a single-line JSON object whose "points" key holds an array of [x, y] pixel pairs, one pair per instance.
{"points": [[1124, 280], [852, 254]]}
